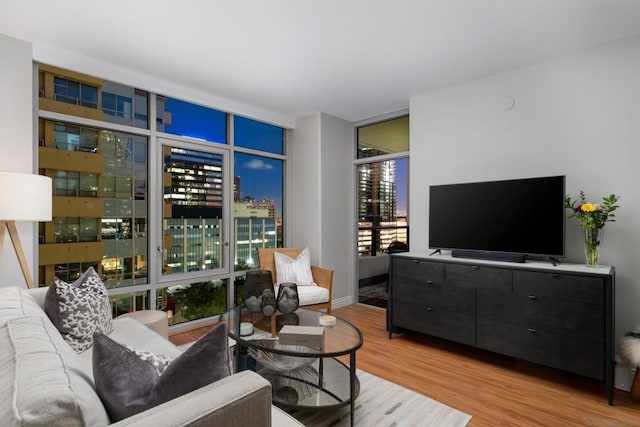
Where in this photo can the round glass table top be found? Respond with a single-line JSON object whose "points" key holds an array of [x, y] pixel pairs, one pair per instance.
{"points": [[341, 338]]}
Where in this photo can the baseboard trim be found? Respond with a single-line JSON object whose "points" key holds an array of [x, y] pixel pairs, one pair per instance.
{"points": [[341, 302]]}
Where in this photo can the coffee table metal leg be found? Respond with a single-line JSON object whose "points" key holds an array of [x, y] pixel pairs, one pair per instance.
{"points": [[238, 356], [352, 382], [320, 371]]}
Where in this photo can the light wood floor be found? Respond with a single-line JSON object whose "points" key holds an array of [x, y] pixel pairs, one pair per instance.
{"points": [[495, 390]]}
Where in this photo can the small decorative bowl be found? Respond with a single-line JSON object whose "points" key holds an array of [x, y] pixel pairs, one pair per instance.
{"points": [[327, 320], [246, 328]]}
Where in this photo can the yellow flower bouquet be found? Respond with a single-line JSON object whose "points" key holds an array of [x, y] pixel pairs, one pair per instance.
{"points": [[592, 217]]}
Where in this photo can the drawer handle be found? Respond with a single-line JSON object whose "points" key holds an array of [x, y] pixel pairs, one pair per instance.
{"points": [[429, 282], [532, 297], [476, 267], [429, 309], [533, 330], [555, 275], [415, 261]]}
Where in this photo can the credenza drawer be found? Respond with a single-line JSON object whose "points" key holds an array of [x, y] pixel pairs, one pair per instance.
{"points": [[478, 276], [543, 313], [408, 268], [434, 321], [572, 354], [435, 295], [561, 286]]}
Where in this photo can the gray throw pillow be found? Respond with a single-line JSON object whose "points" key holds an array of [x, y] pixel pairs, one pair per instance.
{"points": [[79, 309], [127, 384]]}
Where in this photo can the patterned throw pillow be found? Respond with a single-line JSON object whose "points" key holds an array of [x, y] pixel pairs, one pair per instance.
{"points": [[127, 384], [159, 362], [79, 309], [294, 270]]}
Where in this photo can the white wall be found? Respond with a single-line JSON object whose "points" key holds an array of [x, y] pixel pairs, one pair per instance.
{"points": [[576, 115], [337, 207], [304, 185], [16, 143], [321, 197]]}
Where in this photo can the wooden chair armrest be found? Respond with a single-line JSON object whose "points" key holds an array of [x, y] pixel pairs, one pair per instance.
{"points": [[322, 277]]}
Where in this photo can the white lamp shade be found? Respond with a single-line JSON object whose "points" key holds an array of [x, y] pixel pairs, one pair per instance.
{"points": [[25, 197]]}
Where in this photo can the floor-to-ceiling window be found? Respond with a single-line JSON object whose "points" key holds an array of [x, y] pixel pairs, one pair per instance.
{"points": [[382, 176], [258, 192], [168, 213]]}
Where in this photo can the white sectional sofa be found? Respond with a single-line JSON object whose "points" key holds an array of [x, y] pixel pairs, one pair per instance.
{"points": [[43, 382]]}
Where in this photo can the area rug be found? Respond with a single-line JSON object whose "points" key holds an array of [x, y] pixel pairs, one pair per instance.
{"points": [[382, 403], [385, 404]]}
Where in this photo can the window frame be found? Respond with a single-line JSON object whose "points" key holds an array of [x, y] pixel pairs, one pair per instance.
{"points": [[154, 284], [357, 162]]}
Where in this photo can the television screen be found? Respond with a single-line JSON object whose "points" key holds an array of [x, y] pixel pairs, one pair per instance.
{"points": [[522, 216]]}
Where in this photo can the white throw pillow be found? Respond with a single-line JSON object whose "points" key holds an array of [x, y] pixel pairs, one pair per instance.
{"points": [[294, 270]]}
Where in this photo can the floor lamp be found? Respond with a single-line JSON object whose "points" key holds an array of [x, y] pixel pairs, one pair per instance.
{"points": [[23, 197]]}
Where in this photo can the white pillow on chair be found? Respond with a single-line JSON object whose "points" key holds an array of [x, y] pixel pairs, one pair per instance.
{"points": [[294, 270]]}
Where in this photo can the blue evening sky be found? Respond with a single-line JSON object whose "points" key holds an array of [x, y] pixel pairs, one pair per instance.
{"points": [[260, 177]]}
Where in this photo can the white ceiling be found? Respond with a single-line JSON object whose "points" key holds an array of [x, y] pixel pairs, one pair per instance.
{"points": [[353, 59]]}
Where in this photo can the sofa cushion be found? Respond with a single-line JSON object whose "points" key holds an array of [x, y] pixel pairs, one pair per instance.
{"points": [[41, 382], [79, 309], [297, 270], [128, 385]]}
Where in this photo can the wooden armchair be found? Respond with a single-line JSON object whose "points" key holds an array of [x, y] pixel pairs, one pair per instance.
{"points": [[322, 277]]}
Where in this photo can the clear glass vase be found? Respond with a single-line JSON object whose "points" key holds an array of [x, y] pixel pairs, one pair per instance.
{"points": [[592, 244]]}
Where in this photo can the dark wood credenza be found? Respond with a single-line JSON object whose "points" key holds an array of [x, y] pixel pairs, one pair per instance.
{"points": [[558, 316]]}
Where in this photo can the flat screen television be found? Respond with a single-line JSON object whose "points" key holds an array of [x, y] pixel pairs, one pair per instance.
{"points": [[506, 220]]}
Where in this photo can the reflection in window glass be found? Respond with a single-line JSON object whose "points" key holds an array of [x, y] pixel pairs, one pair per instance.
{"points": [[192, 223], [257, 197], [182, 118], [191, 301], [391, 136], [257, 135]]}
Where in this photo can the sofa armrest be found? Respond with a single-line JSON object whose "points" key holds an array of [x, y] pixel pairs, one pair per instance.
{"points": [[242, 399], [39, 295]]}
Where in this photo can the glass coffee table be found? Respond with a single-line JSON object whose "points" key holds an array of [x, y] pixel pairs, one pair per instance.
{"points": [[303, 377]]}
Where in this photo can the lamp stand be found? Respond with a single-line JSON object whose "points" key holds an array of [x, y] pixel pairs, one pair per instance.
{"points": [[17, 246]]}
